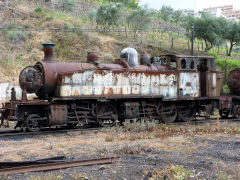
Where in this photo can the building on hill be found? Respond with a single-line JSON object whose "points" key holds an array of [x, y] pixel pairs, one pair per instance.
{"points": [[226, 11], [188, 11]]}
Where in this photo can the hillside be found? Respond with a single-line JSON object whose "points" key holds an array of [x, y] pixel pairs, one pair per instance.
{"points": [[20, 48]]}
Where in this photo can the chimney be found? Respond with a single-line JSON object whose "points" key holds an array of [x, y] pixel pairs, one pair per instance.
{"points": [[92, 57], [48, 52]]}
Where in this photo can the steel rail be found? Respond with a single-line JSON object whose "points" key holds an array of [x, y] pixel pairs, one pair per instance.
{"points": [[58, 165], [51, 131], [13, 133]]}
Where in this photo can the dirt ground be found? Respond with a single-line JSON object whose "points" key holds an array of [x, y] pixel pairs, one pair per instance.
{"points": [[171, 152]]}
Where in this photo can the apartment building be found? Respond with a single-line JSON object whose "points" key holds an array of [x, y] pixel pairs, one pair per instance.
{"points": [[226, 11]]}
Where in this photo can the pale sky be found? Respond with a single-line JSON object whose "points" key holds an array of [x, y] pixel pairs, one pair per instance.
{"points": [[190, 4]]}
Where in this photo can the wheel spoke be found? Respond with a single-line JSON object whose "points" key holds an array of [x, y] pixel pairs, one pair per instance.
{"points": [[169, 113], [107, 115], [187, 114], [32, 122]]}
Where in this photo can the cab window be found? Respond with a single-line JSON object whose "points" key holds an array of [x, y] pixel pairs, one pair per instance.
{"points": [[173, 64], [183, 64], [192, 64], [188, 64]]}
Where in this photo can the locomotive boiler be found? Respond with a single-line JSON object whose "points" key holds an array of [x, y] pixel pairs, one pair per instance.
{"points": [[230, 103], [165, 88]]}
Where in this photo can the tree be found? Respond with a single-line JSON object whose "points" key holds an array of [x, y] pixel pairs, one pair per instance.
{"points": [[166, 13], [177, 16], [207, 28], [232, 35], [128, 3], [92, 15], [139, 19], [109, 15]]}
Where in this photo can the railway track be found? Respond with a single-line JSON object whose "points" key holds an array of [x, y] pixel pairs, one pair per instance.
{"points": [[56, 165], [201, 120], [9, 133]]}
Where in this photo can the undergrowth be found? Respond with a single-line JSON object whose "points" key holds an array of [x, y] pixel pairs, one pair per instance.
{"points": [[149, 130], [171, 172]]}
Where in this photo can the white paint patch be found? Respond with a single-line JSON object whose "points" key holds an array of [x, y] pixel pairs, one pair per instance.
{"points": [[5, 92], [107, 83], [189, 84]]}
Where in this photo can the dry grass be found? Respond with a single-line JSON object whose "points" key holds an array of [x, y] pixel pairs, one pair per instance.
{"points": [[171, 172], [168, 138]]}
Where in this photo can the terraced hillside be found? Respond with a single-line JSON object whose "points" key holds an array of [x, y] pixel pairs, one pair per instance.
{"points": [[21, 47]]}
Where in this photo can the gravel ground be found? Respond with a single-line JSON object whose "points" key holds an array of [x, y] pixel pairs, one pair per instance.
{"points": [[202, 156]]}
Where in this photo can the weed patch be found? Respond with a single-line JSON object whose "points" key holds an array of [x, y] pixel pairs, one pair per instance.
{"points": [[172, 172]]}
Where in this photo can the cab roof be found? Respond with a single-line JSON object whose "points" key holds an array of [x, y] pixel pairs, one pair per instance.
{"points": [[190, 56]]}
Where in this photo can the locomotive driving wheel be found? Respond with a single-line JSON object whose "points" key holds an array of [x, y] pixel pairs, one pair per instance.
{"points": [[187, 114], [224, 114], [107, 115], [236, 111], [169, 113], [32, 122]]}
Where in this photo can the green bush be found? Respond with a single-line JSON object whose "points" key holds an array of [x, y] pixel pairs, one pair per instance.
{"points": [[226, 89], [16, 36], [92, 16], [68, 5], [221, 63], [38, 10]]}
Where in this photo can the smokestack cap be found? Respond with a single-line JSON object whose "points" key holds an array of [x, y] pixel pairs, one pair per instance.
{"points": [[48, 52], [48, 45]]}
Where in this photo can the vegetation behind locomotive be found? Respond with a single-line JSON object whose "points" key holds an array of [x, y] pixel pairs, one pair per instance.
{"points": [[165, 88]]}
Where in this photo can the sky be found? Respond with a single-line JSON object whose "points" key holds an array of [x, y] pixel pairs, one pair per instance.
{"points": [[190, 4]]}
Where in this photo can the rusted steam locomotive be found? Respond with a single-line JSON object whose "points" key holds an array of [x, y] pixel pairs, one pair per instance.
{"points": [[230, 103], [165, 88]]}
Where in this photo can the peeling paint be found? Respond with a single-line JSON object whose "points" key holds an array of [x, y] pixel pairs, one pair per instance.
{"points": [[109, 83], [5, 92], [189, 84]]}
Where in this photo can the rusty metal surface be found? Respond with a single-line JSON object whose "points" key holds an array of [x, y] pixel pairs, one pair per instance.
{"points": [[30, 78], [212, 83], [92, 57], [59, 165], [11, 164], [233, 81], [50, 72], [59, 114], [225, 102], [109, 83], [189, 56], [131, 110], [48, 52]]}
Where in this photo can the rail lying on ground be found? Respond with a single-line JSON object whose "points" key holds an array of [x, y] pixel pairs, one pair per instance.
{"points": [[58, 165], [51, 131]]}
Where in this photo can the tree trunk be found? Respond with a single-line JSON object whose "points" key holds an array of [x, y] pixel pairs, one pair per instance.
{"points": [[207, 46], [226, 49], [230, 49]]}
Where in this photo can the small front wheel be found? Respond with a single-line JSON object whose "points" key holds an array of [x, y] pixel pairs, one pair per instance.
{"points": [[33, 122]]}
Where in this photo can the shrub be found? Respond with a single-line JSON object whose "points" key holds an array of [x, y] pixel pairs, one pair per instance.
{"points": [[92, 15], [68, 5], [109, 138], [38, 10], [139, 126], [16, 36]]}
